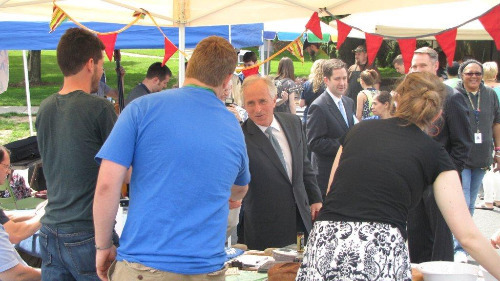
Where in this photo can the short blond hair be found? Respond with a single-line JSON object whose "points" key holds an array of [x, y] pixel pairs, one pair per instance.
{"points": [[213, 59], [490, 69]]}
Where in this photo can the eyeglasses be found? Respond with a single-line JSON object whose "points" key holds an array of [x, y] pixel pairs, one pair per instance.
{"points": [[470, 74], [9, 167]]}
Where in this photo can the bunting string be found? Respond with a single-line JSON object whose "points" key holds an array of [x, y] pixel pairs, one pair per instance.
{"points": [[274, 55], [164, 35], [419, 36], [137, 18]]}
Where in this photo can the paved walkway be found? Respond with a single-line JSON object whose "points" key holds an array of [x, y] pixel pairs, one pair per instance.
{"points": [[18, 109]]}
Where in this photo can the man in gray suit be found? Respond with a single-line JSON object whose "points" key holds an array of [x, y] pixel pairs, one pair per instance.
{"points": [[329, 117], [283, 197]]}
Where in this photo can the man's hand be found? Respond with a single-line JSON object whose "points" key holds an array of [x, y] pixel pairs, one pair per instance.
{"points": [[315, 210], [495, 240], [103, 260], [233, 109]]}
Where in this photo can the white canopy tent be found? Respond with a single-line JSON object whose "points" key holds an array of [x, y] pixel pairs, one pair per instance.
{"points": [[425, 19], [183, 13]]}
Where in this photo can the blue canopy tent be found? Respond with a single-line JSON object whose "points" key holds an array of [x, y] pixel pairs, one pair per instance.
{"points": [[22, 35], [19, 35]]}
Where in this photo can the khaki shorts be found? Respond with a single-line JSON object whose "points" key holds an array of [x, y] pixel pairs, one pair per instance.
{"points": [[123, 270]]}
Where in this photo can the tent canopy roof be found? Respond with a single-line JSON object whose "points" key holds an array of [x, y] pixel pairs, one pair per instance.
{"points": [[425, 19], [198, 12]]}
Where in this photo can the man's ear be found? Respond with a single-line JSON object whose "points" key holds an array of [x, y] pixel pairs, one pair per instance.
{"points": [[89, 65]]}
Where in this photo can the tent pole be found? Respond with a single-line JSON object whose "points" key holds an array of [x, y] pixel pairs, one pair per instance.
{"points": [[28, 95], [182, 44]]}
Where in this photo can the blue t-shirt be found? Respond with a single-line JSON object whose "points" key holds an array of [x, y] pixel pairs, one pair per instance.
{"points": [[8, 255], [186, 150]]}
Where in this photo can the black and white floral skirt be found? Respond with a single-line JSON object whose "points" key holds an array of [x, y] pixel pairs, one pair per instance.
{"points": [[349, 251]]}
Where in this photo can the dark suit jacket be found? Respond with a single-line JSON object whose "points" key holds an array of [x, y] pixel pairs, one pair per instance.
{"points": [[272, 200], [455, 132], [325, 127]]}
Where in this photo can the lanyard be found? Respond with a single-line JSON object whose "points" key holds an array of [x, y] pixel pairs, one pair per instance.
{"points": [[476, 110]]}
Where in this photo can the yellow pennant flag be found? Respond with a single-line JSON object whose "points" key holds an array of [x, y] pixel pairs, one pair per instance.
{"points": [[296, 48], [58, 17]]}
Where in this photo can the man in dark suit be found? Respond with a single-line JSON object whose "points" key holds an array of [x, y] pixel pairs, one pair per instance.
{"points": [[328, 119], [429, 238], [283, 197]]}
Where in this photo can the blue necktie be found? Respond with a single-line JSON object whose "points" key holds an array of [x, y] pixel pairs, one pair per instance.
{"points": [[276, 146], [342, 111]]}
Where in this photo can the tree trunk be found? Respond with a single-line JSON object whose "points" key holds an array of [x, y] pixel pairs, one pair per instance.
{"points": [[35, 67]]}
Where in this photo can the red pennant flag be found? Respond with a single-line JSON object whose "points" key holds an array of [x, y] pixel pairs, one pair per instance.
{"points": [[343, 30], [251, 71], [490, 22], [170, 49], [109, 41], [373, 43], [448, 43], [314, 26], [407, 48]]}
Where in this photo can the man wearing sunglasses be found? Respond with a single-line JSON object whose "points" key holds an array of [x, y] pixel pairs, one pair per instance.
{"points": [[429, 238], [484, 118]]}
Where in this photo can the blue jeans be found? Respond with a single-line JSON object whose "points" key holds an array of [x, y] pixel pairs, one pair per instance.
{"points": [[68, 253], [471, 181]]}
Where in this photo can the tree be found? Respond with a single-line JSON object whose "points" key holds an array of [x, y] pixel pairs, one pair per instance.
{"points": [[35, 67]]}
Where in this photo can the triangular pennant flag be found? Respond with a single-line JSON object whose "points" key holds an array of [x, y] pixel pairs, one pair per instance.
{"points": [[373, 43], [447, 42], [314, 26], [58, 17], [407, 48], [251, 71], [296, 49], [343, 31], [170, 49], [109, 41], [490, 22]]}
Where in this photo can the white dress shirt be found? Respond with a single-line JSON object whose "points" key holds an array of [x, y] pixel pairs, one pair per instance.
{"points": [[279, 134]]}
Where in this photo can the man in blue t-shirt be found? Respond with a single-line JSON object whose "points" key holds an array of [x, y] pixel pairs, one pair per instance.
{"points": [[189, 161]]}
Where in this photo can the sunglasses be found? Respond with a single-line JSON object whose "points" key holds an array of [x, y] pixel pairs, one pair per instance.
{"points": [[470, 74]]}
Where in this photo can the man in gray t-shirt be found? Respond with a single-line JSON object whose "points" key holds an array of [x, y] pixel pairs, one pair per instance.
{"points": [[71, 127], [156, 80]]}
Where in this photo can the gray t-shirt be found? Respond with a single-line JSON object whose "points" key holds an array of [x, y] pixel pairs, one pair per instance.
{"points": [[71, 129], [137, 92]]}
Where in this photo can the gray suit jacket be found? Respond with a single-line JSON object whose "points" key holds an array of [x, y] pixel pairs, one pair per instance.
{"points": [[325, 127], [272, 200]]}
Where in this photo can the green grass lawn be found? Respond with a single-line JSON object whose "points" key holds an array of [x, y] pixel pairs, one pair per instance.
{"points": [[136, 68]]}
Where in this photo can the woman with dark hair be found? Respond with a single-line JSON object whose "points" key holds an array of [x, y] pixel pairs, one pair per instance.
{"points": [[368, 78], [287, 89], [360, 231], [382, 106]]}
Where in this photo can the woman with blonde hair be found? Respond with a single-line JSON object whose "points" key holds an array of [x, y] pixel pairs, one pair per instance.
{"points": [[312, 87], [360, 232], [368, 78], [287, 89]]}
